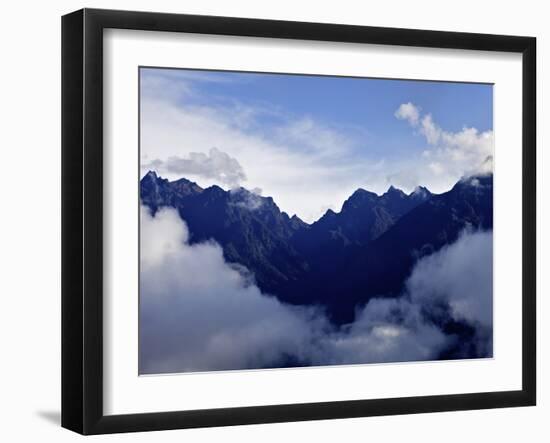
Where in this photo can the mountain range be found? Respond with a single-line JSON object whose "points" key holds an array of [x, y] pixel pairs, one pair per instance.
{"points": [[340, 261]]}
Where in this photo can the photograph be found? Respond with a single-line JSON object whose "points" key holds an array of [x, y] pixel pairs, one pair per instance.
{"points": [[292, 220]]}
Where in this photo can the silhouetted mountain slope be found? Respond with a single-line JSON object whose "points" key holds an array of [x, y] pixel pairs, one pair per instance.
{"points": [[342, 260], [251, 229], [381, 268], [364, 217]]}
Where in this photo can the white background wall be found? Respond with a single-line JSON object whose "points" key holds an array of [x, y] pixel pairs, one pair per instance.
{"points": [[30, 219]]}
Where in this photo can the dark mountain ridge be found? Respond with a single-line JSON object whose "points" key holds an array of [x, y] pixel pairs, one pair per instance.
{"points": [[382, 267], [251, 229], [343, 259]]}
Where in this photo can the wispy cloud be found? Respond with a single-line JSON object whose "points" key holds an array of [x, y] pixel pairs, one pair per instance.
{"points": [[449, 155], [242, 198], [301, 162]]}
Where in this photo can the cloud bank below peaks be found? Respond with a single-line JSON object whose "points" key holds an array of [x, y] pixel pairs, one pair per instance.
{"points": [[200, 313]]}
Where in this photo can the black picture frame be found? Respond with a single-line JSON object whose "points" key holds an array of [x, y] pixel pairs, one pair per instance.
{"points": [[82, 218]]}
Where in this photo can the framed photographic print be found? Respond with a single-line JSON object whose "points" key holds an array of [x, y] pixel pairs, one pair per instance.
{"points": [[269, 221]]}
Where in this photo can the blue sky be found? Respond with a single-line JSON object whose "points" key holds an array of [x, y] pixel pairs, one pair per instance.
{"points": [[338, 128], [361, 101]]}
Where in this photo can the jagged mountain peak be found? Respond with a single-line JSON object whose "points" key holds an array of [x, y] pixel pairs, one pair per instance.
{"points": [[393, 200], [186, 187], [393, 191], [420, 192], [184, 180], [215, 189], [151, 178], [475, 181], [151, 175], [359, 198], [360, 192], [152, 181], [297, 222], [328, 215]]}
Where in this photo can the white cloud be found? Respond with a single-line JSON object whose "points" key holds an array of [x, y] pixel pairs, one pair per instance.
{"points": [[450, 155], [216, 165], [314, 138], [385, 330], [161, 237], [199, 313], [251, 200], [175, 84], [409, 112], [460, 275], [431, 131], [459, 278]]}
